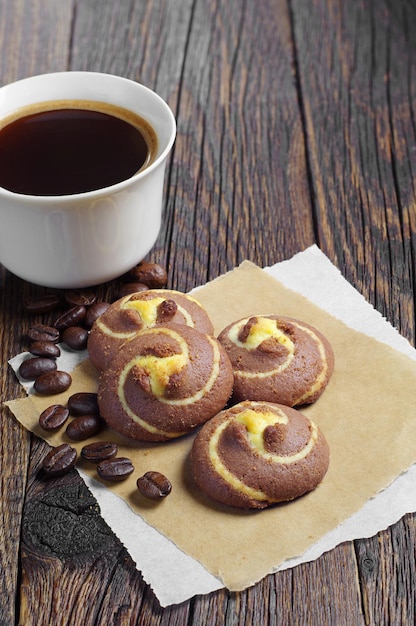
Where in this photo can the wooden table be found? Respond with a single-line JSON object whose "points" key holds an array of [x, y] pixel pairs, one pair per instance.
{"points": [[296, 124]]}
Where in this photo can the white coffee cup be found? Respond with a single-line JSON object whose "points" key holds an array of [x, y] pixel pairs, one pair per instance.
{"points": [[87, 238]]}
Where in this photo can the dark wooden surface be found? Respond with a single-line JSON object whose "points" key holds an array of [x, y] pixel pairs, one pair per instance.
{"points": [[296, 124]]}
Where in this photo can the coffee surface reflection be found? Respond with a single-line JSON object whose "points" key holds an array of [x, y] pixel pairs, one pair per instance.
{"points": [[71, 147]]}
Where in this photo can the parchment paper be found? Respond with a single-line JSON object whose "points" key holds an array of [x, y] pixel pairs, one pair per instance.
{"points": [[367, 414]]}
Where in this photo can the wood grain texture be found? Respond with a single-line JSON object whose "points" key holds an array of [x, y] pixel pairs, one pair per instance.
{"points": [[296, 124], [15, 444], [386, 568], [360, 133], [238, 173], [34, 37], [358, 104]]}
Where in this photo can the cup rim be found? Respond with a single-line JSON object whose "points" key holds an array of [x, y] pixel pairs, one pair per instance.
{"points": [[120, 186]]}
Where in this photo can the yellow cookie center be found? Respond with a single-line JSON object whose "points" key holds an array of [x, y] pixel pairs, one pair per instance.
{"points": [[160, 369], [256, 422], [263, 329], [147, 309]]}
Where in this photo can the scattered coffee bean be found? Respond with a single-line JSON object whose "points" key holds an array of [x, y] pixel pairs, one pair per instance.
{"points": [[75, 337], [43, 303], [83, 403], [151, 274], [115, 469], [99, 451], [71, 317], [93, 313], [85, 426], [42, 332], [129, 288], [80, 297], [53, 417], [45, 348], [59, 460], [52, 383], [154, 485], [33, 367]]}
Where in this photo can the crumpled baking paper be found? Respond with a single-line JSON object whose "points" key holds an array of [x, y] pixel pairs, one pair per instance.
{"points": [[176, 577]]}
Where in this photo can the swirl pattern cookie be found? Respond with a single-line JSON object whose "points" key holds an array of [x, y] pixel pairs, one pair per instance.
{"points": [[256, 454], [277, 359], [135, 312], [165, 382]]}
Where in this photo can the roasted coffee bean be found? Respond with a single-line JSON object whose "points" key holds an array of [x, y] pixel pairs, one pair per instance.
{"points": [[151, 274], [59, 460], [42, 332], [129, 288], [53, 417], [80, 297], [93, 313], [75, 337], [85, 426], [115, 469], [99, 451], [154, 485], [45, 348], [42, 304], [83, 403], [52, 383], [33, 367], [71, 317]]}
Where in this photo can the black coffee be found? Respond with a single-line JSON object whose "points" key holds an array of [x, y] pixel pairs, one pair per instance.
{"points": [[72, 147]]}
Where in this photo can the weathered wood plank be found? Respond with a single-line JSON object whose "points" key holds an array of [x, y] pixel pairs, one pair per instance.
{"points": [[361, 144], [34, 37], [387, 570], [239, 168], [356, 79], [325, 591]]}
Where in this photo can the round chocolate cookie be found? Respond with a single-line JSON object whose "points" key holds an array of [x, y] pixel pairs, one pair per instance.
{"points": [[256, 454], [277, 359], [165, 382], [128, 315]]}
